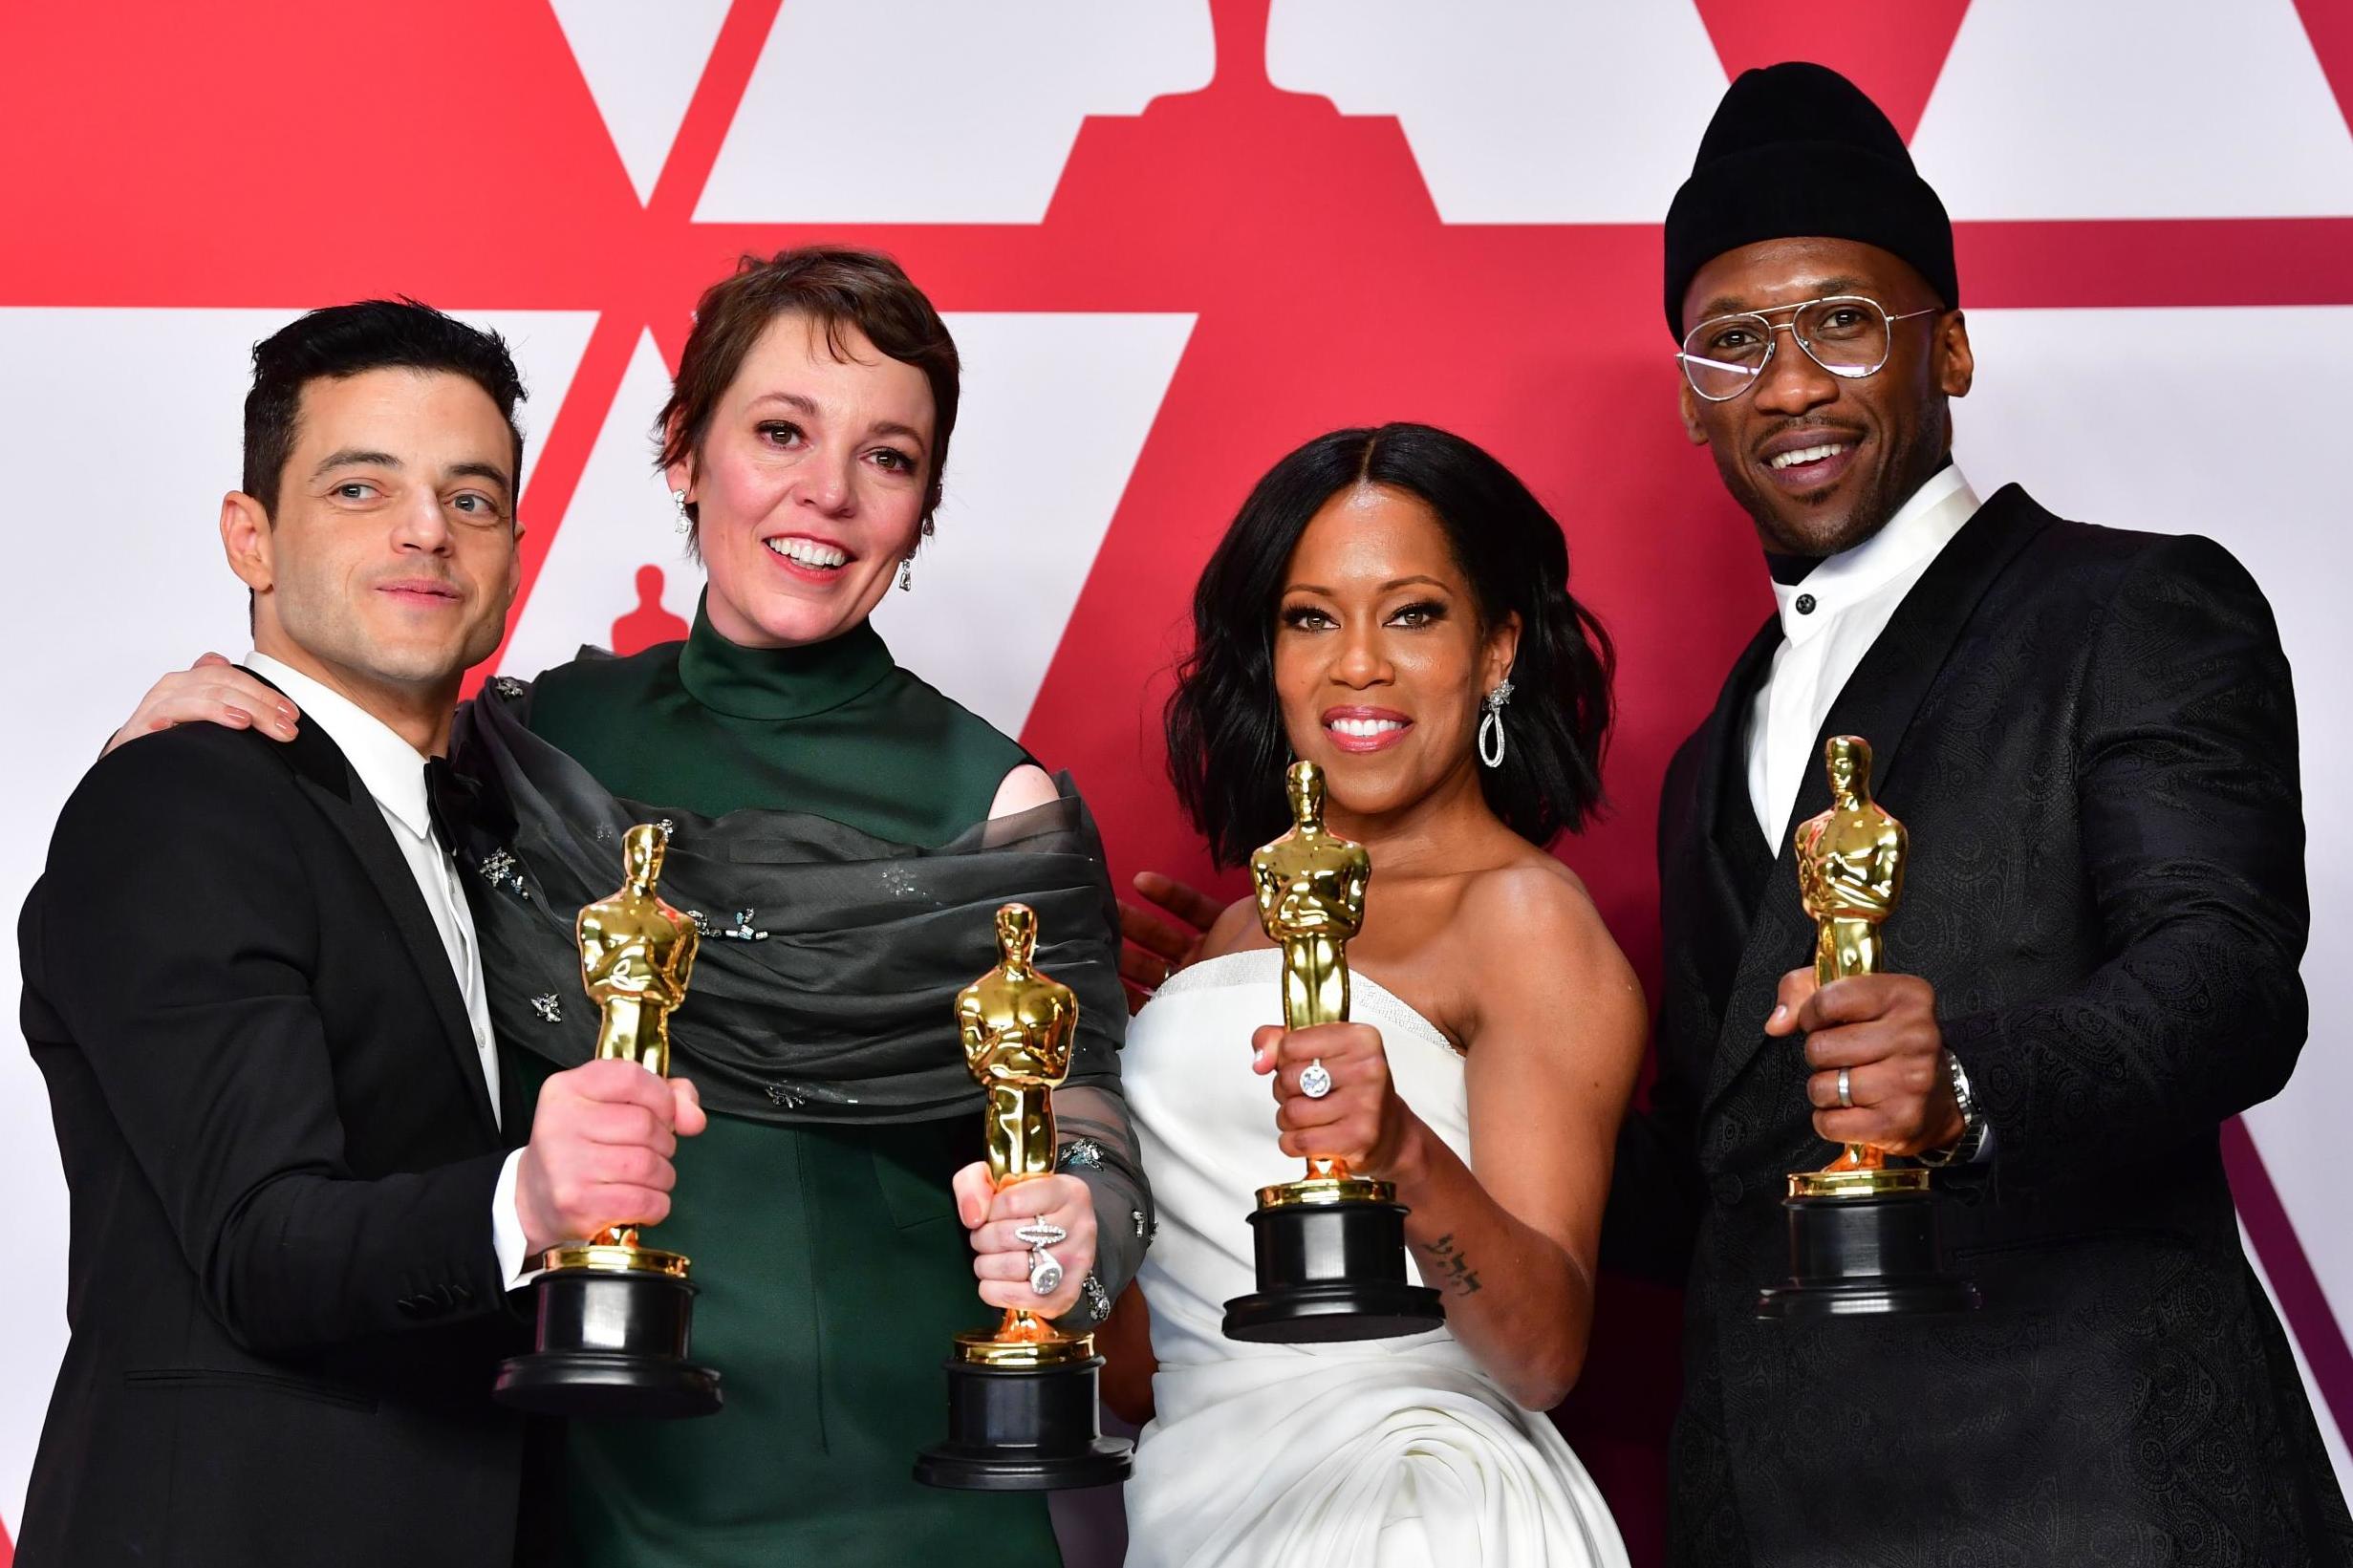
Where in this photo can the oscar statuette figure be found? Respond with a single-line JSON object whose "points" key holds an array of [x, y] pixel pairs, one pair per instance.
{"points": [[1329, 1248], [1862, 1233], [614, 1317], [1022, 1397]]}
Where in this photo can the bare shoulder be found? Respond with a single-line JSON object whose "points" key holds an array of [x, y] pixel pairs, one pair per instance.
{"points": [[1236, 929], [1534, 895], [1540, 945], [1029, 786]]}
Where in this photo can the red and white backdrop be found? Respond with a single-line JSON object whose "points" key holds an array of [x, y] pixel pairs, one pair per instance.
{"points": [[1174, 238]]}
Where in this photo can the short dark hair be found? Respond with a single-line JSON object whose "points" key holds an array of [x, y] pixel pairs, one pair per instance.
{"points": [[834, 287], [1226, 745], [345, 340]]}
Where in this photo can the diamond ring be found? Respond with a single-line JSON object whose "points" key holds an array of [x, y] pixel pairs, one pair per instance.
{"points": [[1316, 1082], [1040, 1233], [1045, 1271]]}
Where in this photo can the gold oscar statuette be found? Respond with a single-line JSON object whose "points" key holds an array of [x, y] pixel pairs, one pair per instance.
{"points": [[616, 1317], [1851, 874], [1017, 1028], [637, 954], [1329, 1248], [1310, 889], [1866, 1238], [1022, 1398]]}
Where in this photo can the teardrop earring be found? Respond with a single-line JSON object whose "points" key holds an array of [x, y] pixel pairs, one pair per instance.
{"points": [[677, 504], [1491, 724]]}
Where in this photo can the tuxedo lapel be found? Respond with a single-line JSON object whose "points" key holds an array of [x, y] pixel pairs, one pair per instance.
{"points": [[1878, 703], [328, 781], [1723, 908]]}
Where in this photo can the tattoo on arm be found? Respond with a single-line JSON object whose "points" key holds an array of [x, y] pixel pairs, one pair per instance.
{"points": [[1455, 1271]]}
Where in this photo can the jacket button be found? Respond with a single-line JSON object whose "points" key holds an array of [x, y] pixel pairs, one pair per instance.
{"points": [[1727, 1190]]}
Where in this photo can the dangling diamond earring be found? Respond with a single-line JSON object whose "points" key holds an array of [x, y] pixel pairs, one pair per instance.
{"points": [[1491, 725], [906, 575], [677, 503]]}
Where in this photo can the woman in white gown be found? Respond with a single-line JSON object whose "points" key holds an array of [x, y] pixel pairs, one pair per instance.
{"points": [[1382, 595]]}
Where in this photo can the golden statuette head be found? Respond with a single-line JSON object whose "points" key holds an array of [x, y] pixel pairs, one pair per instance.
{"points": [[636, 953], [1310, 889]]}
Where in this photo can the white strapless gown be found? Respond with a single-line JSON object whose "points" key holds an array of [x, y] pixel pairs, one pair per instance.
{"points": [[1378, 1453]]}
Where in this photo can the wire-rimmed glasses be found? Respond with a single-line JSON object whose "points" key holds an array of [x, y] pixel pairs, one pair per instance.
{"points": [[1849, 335]]}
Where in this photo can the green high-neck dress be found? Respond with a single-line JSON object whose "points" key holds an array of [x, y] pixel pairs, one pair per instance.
{"points": [[831, 1267]]}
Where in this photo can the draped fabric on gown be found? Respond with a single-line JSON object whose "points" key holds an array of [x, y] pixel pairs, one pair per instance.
{"points": [[1393, 1453]]}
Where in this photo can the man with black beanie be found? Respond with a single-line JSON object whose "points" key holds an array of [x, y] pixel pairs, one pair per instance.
{"points": [[2091, 735]]}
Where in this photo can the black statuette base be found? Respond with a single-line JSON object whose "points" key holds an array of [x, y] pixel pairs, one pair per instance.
{"points": [[1328, 1271], [609, 1345], [1865, 1256], [1024, 1429]]}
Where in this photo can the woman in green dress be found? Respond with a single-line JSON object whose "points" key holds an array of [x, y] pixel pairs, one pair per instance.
{"points": [[843, 832]]}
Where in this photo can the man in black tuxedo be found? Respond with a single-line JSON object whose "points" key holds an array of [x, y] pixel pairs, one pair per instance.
{"points": [[252, 984], [2091, 735]]}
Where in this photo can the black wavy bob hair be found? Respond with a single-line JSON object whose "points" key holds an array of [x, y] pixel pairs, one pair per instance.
{"points": [[1226, 743]]}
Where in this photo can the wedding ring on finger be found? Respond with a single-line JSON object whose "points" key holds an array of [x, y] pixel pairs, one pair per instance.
{"points": [[1845, 1091], [1316, 1082]]}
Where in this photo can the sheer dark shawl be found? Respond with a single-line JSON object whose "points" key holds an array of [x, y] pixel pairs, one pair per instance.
{"points": [[823, 992]]}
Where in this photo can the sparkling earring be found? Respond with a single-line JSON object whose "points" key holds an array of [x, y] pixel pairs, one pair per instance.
{"points": [[677, 503], [906, 575], [1491, 725]]}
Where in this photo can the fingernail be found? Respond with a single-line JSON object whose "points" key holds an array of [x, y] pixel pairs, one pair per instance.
{"points": [[1778, 1014]]}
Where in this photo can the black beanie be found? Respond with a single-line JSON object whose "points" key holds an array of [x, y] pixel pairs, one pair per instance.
{"points": [[1796, 149]]}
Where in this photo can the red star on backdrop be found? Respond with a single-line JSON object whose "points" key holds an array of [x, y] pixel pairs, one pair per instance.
{"points": [[449, 149]]}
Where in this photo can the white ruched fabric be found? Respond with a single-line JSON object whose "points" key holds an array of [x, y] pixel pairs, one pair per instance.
{"points": [[1381, 1453]]}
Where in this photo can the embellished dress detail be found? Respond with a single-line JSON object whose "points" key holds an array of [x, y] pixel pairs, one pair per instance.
{"points": [[828, 819], [1379, 1453]]}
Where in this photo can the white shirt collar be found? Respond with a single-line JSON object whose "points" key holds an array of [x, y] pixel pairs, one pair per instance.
{"points": [[393, 770], [1900, 551]]}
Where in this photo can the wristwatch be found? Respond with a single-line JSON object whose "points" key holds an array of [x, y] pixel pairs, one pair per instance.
{"points": [[1966, 1148]]}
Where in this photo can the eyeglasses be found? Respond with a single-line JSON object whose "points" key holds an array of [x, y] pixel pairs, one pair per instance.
{"points": [[1849, 335]]}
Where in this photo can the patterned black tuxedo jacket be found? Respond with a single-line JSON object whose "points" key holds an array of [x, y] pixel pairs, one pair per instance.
{"points": [[2091, 735]]}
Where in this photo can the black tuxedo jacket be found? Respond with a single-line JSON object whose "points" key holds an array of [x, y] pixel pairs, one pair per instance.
{"points": [[2091, 735], [285, 1302]]}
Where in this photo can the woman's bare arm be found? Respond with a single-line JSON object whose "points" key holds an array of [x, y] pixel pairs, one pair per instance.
{"points": [[1554, 1046]]}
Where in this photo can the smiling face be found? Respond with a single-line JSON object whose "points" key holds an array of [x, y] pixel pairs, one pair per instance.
{"points": [[809, 484], [1821, 462], [388, 566], [1379, 658]]}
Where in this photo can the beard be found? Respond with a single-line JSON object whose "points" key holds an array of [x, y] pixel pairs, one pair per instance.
{"points": [[1791, 525]]}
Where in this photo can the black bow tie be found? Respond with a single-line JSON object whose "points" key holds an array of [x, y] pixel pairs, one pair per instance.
{"points": [[454, 798]]}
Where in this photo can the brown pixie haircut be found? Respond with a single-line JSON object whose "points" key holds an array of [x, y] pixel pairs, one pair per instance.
{"points": [[834, 287]]}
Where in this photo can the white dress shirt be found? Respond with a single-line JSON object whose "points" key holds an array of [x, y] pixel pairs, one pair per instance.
{"points": [[394, 772], [1828, 622]]}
